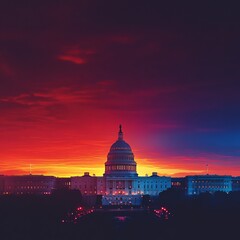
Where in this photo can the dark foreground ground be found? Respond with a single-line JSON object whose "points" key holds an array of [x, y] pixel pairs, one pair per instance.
{"points": [[204, 217]]}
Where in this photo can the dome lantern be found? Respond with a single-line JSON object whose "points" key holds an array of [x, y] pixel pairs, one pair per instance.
{"points": [[120, 133]]}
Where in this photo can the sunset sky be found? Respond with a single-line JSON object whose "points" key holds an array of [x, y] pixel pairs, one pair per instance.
{"points": [[72, 71]]}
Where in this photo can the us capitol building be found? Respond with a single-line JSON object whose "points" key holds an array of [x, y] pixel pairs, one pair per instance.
{"points": [[120, 184]]}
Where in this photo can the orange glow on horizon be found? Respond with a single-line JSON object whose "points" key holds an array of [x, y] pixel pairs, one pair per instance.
{"points": [[73, 167]]}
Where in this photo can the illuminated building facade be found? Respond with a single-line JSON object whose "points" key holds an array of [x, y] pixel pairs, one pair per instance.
{"points": [[120, 184], [236, 184], [1, 184], [63, 183], [179, 183], [208, 183], [28, 184], [86, 184]]}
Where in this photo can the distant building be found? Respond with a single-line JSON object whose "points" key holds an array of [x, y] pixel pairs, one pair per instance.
{"points": [[86, 184], [152, 185], [1, 184], [235, 183], [28, 184], [62, 183], [179, 183], [208, 183]]}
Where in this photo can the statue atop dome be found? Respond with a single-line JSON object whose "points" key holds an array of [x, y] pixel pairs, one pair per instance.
{"points": [[120, 133]]}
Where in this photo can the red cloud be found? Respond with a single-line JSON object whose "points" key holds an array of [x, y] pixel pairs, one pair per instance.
{"points": [[73, 59], [62, 95], [76, 55]]}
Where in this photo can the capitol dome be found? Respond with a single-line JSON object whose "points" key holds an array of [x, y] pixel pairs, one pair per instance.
{"points": [[120, 159]]}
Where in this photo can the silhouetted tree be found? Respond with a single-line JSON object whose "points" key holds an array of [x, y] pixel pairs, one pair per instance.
{"points": [[171, 197], [146, 201]]}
